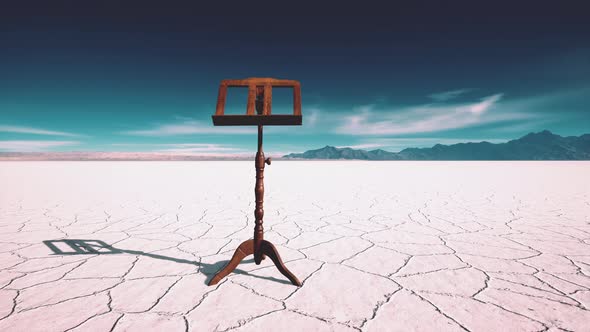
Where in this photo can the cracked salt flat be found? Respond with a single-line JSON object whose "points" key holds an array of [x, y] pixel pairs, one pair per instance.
{"points": [[379, 246]]}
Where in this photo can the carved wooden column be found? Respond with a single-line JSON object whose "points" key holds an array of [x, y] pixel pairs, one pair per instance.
{"points": [[259, 188]]}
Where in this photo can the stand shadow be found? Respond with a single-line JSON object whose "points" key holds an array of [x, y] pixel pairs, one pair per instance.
{"points": [[98, 247]]}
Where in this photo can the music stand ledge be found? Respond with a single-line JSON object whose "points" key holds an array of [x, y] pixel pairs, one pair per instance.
{"points": [[255, 120], [258, 114]]}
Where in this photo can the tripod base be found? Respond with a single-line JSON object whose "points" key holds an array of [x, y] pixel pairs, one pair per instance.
{"points": [[246, 249]]}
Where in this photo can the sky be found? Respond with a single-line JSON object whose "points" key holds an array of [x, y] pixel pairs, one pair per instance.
{"points": [[144, 76]]}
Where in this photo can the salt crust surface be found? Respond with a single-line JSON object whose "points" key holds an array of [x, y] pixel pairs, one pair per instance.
{"points": [[379, 246]]}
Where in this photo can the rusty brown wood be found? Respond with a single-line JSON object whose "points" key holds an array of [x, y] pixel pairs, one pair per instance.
{"points": [[297, 100], [261, 107], [221, 99], [267, 95], [271, 251], [259, 81], [259, 97], [245, 249], [259, 194], [259, 100], [251, 99], [263, 87]]}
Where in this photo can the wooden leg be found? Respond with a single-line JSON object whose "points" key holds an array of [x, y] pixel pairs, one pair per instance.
{"points": [[245, 249], [269, 250]]}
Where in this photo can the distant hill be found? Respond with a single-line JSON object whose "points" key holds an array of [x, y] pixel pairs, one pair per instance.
{"points": [[534, 146]]}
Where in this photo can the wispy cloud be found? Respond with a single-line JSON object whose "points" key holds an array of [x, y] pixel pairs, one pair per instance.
{"points": [[34, 131], [204, 149], [426, 118], [33, 146], [312, 117], [196, 148], [448, 95], [189, 127], [184, 148]]}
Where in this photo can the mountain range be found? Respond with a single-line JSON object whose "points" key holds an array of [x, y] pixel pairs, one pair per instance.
{"points": [[534, 146], [543, 145]]}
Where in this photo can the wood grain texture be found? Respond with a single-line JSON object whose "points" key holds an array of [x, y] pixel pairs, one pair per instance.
{"points": [[267, 95], [245, 249], [259, 81], [259, 92], [259, 98], [297, 100], [221, 99], [251, 99]]}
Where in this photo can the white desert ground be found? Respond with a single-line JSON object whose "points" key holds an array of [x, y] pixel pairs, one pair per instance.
{"points": [[379, 246]]}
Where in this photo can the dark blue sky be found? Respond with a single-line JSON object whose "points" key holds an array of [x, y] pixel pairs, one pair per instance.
{"points": [[143, 76]]}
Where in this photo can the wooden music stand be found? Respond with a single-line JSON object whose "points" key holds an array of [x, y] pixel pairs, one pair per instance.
{"points": [[259, 98]]}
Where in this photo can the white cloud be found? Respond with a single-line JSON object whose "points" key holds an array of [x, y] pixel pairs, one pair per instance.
{"points": [[197, 148], [426, 118], [35, 131], [312, 118], [33, 146], [485, 104], [205, 149], [189, 127], [185, 148], [448, 95]]}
